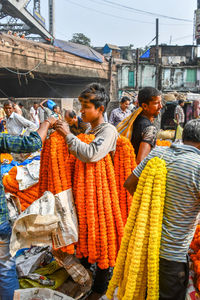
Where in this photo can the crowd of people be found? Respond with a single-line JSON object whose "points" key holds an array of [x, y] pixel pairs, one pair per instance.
{"points": [[27, 131]]}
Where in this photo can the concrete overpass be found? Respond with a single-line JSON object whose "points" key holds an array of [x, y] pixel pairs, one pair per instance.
{"points": [[31, 69]]}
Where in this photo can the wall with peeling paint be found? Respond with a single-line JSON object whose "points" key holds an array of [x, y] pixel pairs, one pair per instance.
{"points": [[182, 79], [186, 78]]}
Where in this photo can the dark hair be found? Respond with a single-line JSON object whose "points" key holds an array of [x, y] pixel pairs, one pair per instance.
{"points": [[180, 101], [70, 113], [96, 94], [11, 99], [191, 131], [124, 99], [145, 95], [35, 102], [8, 102], [20, 104], [55, 106]]}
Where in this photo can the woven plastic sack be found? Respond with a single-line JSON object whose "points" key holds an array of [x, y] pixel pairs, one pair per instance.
{"points": [[52, 271]]}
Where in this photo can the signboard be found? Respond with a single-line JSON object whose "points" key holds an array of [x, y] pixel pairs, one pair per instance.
{"points": [[197, 24], [38, 17]]}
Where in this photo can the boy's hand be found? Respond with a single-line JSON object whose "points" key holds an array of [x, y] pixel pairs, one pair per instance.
{"points": [[62, 127], [51, 121]]}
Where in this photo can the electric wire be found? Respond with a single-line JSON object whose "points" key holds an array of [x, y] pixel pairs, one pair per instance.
{"points": [[22, 73], [146, 12], [108, 14], [129, 8]]}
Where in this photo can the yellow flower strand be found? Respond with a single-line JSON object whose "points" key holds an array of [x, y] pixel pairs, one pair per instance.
{"points": [[121, 258], [142, 220], [137, 266]]}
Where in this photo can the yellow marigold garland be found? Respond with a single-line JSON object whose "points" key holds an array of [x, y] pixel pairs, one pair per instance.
{"points": [[141, 241]]}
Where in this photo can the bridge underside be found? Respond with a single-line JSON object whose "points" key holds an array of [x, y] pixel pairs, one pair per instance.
{"points": [[43, 85], [29, 69]]}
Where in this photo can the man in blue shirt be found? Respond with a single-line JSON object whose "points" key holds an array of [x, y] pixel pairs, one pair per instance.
{"points": [[119, 114], [16, 144]]}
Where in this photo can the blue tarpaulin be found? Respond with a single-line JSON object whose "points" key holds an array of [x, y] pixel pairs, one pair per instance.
{"points": [[146, 54], [5, 168], [79, 50]]}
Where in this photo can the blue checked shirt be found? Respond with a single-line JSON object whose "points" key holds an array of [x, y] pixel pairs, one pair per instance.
{"points": [[16, 144]]}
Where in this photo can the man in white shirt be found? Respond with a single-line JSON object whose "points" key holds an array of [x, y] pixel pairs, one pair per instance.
{"points": [[16, 124], [34, 114]]}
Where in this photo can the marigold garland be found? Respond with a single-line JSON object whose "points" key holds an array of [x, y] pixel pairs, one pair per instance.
{"points": [[195, 256], [6, 157], [163, 143], [100, 208], [96, 194], [141, 241], [124, 164], [27, 196]]}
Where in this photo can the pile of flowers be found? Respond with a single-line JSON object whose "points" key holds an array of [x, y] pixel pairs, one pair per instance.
{"points": [[195, 256], [97, 196], [11, 185], [6, 157], [137, 267], [101, 201]]}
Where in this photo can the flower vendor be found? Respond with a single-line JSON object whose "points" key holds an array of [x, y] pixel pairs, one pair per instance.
{"points": [[93, 101], [181, 209], [139, 127], [144, 132], [16, 144]]}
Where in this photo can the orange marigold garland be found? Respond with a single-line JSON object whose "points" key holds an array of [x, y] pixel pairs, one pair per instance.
{"points": [[124, 164], [6, 157], [96, 194], [82, 245], [26, 197], [163, 143], [195, 256], [111, 233], [114, 200], [103, 260]]}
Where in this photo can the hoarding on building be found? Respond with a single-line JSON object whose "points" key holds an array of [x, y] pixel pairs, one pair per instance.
{"points": [[197, 24]]}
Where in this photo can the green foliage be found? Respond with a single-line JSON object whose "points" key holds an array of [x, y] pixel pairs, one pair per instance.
{"points": [[80, 38]]}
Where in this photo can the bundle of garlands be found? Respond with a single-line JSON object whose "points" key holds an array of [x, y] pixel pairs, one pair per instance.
{"points": [[95, 192], [11, 185], [163, 143], [6, 157], [136, 273], [195, 246]]}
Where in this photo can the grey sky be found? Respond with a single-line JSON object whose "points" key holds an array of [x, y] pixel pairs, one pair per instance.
{"points": [[125, 26]]}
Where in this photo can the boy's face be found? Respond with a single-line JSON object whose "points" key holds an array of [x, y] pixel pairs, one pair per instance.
{"points": [[88, 111], [154, 106]]}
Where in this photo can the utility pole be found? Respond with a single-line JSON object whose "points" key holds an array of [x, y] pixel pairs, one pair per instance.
{"points": [[137, 70], [156, 54], [197, 23], [51, 16]]}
